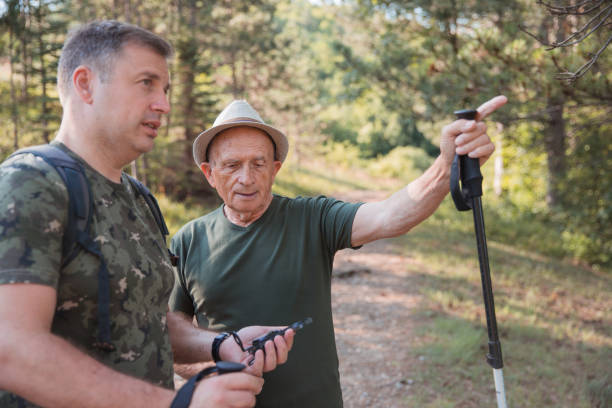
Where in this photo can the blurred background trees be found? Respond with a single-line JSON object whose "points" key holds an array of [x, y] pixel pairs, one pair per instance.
{"points": [[371, 77]]}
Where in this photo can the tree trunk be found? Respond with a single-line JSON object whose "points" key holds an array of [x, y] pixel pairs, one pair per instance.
{"points": [[134, 169], [554, 133], [14, 104], [25, 60], [235, 93], [44, 114], [145, 170], [554, 142]]}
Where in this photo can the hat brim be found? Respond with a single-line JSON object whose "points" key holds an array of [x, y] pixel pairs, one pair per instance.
{"points": [[201, 143]]}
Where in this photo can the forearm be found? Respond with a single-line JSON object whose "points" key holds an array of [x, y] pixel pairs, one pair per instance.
{"points": [[190, 344], [404, 209], [422, 197], [50, 372]]}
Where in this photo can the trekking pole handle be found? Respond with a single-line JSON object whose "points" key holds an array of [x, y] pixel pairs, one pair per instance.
{"points": [[466, 178]]}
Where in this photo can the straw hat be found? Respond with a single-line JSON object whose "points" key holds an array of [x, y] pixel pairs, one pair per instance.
{"points": [[238, 113]]}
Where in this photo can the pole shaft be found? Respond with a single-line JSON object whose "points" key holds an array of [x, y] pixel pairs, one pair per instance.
{"points": [[494, 357], [500, 391]]}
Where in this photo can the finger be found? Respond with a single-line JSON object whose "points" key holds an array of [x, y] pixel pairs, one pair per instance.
{"points": [[471, 132], [270, 357], [457, 127], [243, 399], [483, 152], [289, 336], [490, 106], [255, 363], [240, 381], [281, 349], [472, 145]]}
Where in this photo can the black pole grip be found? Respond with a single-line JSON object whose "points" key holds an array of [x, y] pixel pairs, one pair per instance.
{"points": [[466, 178]]}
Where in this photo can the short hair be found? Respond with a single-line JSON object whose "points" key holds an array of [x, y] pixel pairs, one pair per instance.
{"points": [[98, 43]]}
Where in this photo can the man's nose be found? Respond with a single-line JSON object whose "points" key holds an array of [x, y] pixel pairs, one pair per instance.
{"points": [[161, 104], [246, 175]]}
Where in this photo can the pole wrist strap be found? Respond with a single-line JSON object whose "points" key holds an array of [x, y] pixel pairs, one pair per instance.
{"points": [[185, 393]]}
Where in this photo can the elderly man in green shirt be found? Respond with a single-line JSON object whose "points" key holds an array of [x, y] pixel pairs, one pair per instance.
{"points": [[265, 259]]}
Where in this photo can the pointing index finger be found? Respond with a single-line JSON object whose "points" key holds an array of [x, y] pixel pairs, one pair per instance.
{"points": [[491, 106]]}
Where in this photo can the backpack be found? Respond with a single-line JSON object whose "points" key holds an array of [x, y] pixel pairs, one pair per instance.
{"points": [[77, 235]]}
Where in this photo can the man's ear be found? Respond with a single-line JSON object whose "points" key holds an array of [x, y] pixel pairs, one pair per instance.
{"points": [[83, 83], [207, 170], [277, 166]]}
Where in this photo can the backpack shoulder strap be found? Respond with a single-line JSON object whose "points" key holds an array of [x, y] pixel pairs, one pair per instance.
{"points": [[80, 202], [152, 203], [155, 210], [77, 235]]}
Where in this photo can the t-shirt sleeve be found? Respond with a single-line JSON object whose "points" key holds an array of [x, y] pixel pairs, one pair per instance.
{"points": [[33, 213], [337, 221], [180, 300]]}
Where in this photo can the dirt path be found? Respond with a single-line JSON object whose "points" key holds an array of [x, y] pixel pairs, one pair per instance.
{"points": [[374, 299]]}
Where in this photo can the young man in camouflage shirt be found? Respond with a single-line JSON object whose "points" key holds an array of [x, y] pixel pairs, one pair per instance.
{"points": [[112, 80]]}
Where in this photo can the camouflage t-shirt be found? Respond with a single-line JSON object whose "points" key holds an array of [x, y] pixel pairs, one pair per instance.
{"points": [[33, 215]]}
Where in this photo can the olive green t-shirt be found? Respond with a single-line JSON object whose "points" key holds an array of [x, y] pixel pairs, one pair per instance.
{"points": [[275, 271], [33, 215]]}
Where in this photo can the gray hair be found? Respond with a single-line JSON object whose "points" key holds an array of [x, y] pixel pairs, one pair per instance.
{"points": [[98, 43]]}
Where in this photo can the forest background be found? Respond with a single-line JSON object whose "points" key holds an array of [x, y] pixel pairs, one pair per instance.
{"points": [[367, 83], [362, 89]]}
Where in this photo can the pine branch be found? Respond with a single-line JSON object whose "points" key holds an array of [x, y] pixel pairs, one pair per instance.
{"points": [[573, 76]]}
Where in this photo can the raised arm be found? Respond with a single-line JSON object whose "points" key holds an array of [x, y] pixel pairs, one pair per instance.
{"points": [[418, 200]]}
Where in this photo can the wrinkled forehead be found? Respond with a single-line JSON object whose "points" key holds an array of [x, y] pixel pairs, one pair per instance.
{"points": [[241, 142]]}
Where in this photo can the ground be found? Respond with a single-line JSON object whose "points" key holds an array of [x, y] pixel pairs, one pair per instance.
{"points": [[374, 298]]}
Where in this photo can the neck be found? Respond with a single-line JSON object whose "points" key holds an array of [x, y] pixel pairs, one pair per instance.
{"points": [[81, 140], [242, 218]]}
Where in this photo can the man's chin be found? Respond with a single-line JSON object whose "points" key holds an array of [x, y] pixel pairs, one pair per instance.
{"points": [[145, 146], [246, 206]]}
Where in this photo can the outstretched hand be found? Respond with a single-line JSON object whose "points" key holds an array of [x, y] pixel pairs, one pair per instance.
{"points": [[470, 136], [277, 350]]}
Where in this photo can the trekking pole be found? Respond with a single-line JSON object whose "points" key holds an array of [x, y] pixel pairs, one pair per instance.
{"points": [[467, 196]]}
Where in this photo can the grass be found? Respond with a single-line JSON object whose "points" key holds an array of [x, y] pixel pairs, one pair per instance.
{"points": [[554, 316]]}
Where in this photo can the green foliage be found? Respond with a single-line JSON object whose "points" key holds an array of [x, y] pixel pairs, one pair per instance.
{"points": [[364, 83], [405, 163], [177, 214], [586, 212]]}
